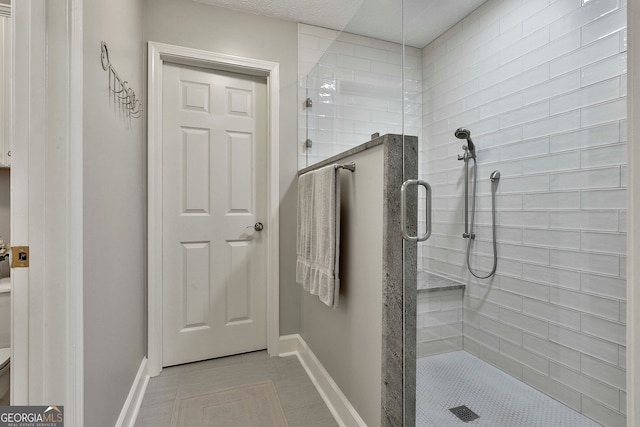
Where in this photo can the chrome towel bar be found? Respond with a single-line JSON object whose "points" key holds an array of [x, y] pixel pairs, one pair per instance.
{"points": [[350, 166]]}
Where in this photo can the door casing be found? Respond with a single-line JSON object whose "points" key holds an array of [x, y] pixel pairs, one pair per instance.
{"points": [[47, 205], [158, 53]]}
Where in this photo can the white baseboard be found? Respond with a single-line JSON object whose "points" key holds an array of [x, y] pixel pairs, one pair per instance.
{"points": [[290, 345], [342, 410], [132, 405]]}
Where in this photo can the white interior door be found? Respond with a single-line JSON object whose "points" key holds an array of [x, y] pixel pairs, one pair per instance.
{"points": [[214, 191]]}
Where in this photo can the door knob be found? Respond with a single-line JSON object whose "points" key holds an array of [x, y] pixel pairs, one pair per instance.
{"points": [[258, 226]]}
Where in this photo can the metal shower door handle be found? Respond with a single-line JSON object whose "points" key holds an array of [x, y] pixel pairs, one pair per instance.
{"points": [[403, 210]]}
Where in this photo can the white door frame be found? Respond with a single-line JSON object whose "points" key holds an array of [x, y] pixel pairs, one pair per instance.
{"points": [[46, 205], [158, 54]]}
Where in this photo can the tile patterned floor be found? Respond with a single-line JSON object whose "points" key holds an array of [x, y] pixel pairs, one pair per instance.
{"points": [[302, 405], [458, 378]]}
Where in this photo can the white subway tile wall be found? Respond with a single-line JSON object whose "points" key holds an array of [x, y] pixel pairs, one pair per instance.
{"points": [[439, 322], [356, 86], [542, 87]]}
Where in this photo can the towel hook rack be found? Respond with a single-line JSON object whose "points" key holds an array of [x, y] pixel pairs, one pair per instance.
{"points": [[119, 87]]}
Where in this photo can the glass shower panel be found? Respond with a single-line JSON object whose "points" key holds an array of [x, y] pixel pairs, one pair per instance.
{"points": [[350, 81], [352, 91]]}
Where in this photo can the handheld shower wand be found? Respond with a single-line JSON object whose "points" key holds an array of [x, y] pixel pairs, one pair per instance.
{"points": [[463, 133]]}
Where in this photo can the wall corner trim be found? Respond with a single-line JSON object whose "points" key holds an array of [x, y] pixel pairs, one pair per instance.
{"points": [[343, 412], [133, 403]]}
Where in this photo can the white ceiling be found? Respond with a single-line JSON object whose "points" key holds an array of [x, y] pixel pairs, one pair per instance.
{"points": [[425, 19]]}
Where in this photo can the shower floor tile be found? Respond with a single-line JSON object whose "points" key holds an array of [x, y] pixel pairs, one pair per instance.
{"points": [[458, 378]]}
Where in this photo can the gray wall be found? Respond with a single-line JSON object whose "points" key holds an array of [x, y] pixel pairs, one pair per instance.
{"points": [[348, 339], [196, 25], [114, 213]]}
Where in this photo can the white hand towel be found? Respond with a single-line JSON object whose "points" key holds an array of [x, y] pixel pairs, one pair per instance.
{"points": [[318, 247]]}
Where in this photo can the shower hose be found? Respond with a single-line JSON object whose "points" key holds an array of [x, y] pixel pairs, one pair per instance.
{"points": [[493, 224]]}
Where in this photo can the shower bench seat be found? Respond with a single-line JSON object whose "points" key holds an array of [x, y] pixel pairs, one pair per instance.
{"points": [[429, 282], [439, 309]]}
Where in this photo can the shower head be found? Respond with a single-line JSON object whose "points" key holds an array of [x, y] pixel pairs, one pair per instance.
{"points": [[463, 133]]}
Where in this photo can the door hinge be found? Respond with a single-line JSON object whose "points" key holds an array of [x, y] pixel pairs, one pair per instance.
{"points": [[19, 256]]}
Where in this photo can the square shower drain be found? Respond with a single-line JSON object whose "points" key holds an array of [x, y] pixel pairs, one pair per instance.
{"points": [[464, 413]]}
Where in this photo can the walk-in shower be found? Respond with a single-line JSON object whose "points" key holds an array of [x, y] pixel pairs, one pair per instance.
{"points": [[470, 154], [538, 91]]}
